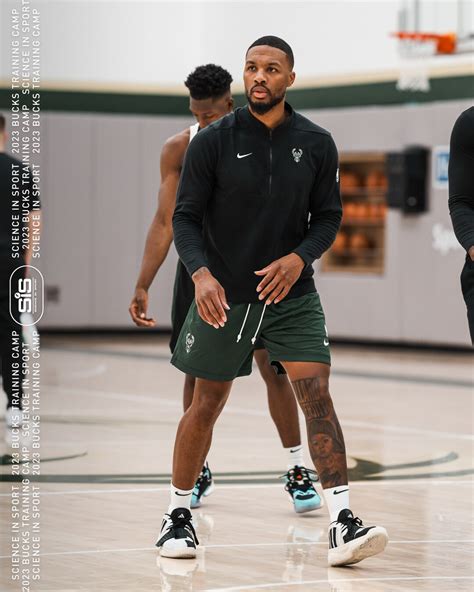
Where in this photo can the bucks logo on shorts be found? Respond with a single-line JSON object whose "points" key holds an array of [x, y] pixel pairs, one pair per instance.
{"points": [[189, 342]]}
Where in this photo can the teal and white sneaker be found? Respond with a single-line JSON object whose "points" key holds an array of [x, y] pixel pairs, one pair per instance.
{"points": [[300, 486], [204, 486]]}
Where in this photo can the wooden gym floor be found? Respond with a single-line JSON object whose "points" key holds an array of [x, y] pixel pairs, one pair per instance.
{"points": [[109, 410]]}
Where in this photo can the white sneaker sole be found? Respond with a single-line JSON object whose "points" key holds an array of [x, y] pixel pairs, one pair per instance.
{"points": [[308, 509], [209, 490], [188, 553], [372, 543]]}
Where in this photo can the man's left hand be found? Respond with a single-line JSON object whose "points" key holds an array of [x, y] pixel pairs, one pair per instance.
{"points": [[279, 277]]}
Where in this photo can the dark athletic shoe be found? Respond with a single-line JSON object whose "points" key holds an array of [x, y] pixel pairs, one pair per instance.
{"points": [[204, 486], [350, 541], [300, 486], [177, 537]]}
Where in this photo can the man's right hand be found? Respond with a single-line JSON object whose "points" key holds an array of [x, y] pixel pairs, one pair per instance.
{"points": [[138, 308], [471, 253], [210, 298]]}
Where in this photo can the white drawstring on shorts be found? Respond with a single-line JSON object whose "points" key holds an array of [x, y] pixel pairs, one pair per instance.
{"points": [[254, 338], [239, 336]]}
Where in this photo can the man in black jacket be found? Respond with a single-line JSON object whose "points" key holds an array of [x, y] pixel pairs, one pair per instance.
{"points": [[461, 201], [210, 99], [258, 202]]}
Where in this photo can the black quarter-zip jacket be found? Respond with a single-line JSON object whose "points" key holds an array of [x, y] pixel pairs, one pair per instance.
{"points": [[249, 195], [461, 178]]}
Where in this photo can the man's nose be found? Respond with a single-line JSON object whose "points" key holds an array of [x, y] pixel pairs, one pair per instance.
{"points": [[260, 77]]}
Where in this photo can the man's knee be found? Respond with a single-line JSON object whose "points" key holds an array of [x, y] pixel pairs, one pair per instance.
{"points": [[267, 371], [209, 400], [272, 380], [207, 409]]}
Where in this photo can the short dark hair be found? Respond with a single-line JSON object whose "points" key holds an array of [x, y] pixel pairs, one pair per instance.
{"points": [[208, 82], [273, 41], [3, 123]]}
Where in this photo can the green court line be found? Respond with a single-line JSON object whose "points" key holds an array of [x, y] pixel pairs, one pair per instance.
{"points": [[124, 480], [341, 96], [365, 470]]}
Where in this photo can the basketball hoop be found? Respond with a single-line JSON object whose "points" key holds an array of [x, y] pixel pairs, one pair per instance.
{"points": [[415, 49]]}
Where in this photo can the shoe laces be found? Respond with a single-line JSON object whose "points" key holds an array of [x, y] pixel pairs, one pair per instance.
{"points": [[356, 521], [298, 477], [353, 523], [183, 522]]}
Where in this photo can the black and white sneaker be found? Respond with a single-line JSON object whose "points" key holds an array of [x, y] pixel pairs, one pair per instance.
{"points": [[350, 541], [177, 537]]}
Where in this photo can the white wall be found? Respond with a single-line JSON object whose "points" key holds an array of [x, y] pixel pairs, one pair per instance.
{"points": [[156, 43]]}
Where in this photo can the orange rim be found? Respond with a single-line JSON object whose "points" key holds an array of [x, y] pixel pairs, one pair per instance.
{"points": [[445, 43]]}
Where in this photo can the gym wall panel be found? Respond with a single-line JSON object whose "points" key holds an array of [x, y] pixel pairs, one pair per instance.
{"points": [[418, 298], [154, 134], [117, 192], [359, 306], [99, 191], [431, 299], [66, 242]]}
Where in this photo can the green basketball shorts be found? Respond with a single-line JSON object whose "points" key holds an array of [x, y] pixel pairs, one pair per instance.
{"points": [[293, 330]]}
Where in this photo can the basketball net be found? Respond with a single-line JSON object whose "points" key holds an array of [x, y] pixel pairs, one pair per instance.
{"points": [[415, 64]]}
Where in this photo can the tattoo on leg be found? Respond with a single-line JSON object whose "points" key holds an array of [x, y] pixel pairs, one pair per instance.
{"points": [[326, 442], [307, 392]]}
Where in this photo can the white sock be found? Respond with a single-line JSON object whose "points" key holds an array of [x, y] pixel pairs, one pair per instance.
{"points": [[179, 498], [294, 456], [337, 499]]}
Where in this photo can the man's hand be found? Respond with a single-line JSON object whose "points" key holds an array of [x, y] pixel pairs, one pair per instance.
{"points": [[471, 253], [279, 277], [210, 298], [138, 308]]}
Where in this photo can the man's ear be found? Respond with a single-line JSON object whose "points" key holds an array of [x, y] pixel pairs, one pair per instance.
{"points": [[292, 78]]}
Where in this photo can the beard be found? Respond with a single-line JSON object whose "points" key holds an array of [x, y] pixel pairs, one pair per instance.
{"points": [[260, 107]]}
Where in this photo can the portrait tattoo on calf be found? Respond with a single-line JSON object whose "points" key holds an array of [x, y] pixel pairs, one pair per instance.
{"points": [[325, 439]]}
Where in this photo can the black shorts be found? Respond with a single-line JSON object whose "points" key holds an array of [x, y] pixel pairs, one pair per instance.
{"points": [[183, 297]]}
